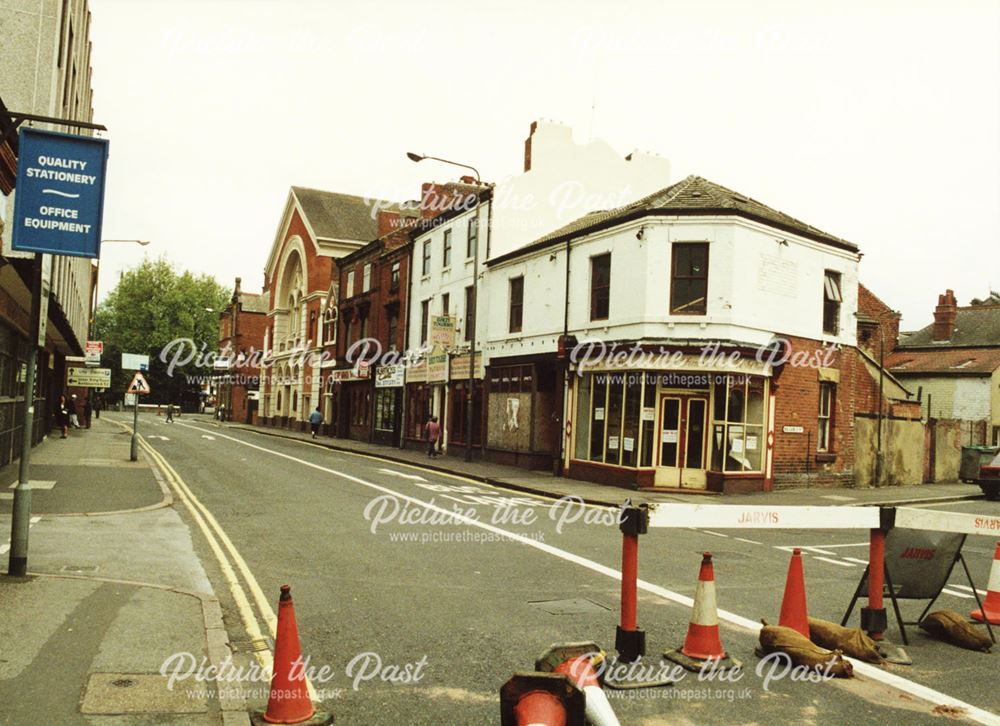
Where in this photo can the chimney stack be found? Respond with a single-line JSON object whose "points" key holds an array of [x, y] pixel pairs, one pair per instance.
{"points": [[944, 316]]}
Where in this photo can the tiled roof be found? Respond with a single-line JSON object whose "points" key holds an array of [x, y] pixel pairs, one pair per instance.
{"points": [[976, 325], [251, 303], [340, 216], [951, 361], [693, 195]]}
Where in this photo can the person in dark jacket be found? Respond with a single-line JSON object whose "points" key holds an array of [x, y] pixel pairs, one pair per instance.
{"points": [[62, 415], [87, 411]]}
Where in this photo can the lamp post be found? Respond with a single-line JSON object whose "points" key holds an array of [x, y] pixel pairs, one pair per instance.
{"points": [[475, 299], [879, 454]]}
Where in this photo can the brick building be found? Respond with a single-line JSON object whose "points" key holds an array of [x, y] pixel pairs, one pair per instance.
{"points": [[241, 341]]}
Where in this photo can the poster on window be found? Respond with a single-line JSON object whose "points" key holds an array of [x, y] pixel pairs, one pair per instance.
{"points": [[598, 414], [613, 442], [670, 436], [751, 443], [648, 414], [736, 446], [628, 444]]}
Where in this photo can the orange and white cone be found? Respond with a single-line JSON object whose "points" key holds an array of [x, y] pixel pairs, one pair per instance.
{"points": [[990, 612], [541, 699], [794, 613], [288, 700], [703, 646], [576, 661]]}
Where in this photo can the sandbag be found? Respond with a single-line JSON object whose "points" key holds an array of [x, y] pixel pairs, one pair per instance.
{"points": [[803, 652], [852, 641], [949, 626]]}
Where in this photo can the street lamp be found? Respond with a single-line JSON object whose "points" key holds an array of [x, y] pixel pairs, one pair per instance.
{"points": [[475, 298]]}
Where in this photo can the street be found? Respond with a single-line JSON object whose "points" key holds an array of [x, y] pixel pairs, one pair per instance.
{"points": [[421, 619]]}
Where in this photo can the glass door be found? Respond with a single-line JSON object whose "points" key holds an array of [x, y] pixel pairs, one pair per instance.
{"points": [[682, 441]]}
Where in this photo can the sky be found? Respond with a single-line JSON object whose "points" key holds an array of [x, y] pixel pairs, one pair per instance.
{"points": [[878, 122]]}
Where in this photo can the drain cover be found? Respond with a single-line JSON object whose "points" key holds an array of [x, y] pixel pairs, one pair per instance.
{"points": [[572, 606]]}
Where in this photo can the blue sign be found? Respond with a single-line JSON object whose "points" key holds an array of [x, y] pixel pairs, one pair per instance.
{"points": [[59, 199]]}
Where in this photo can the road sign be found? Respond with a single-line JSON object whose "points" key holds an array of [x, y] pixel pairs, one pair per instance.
{"points": [[88, 377], [135, 362], [93, 351], [138, 384], [60, 193]]}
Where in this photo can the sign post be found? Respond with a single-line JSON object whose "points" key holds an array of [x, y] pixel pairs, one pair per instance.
{"points": [[136, 387], [58, 209]]}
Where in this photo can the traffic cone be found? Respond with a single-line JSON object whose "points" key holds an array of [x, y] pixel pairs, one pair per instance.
{"points": [[288, 701], [576, 661], [990, 611], [541, 699], [703, 646], [794, 614]]}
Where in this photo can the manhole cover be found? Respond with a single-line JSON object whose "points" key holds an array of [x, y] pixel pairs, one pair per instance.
{"points": [[117, 694], [572, 606], [78, 568], [123, 682]]}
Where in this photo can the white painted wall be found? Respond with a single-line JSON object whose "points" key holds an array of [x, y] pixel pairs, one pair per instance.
{"points": [[566, 181], [756, 287]]}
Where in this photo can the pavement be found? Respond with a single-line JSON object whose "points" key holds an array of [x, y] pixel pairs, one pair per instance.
{"points": [[114, 589], [546, 484]]}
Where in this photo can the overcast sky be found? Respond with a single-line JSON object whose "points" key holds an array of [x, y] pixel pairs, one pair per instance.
{"points": [[875, 121]]}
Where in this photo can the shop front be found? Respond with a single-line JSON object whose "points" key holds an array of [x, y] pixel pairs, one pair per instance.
{"points": [[354, 415], [688, 429], [388, 414]]}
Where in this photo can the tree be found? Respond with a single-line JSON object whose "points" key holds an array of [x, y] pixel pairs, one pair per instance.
{"points": [[173, 318]]}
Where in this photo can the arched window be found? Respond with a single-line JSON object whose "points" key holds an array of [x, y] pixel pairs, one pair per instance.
{"points": [[330, 325]]}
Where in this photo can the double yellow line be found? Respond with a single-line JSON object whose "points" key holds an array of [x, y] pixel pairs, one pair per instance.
{"points": [[221, 544]]}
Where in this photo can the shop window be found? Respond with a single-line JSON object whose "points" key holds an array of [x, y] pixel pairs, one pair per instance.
{"points": [[832, 298], [689, 278], [598, 416], [647, 418], [738, 424], [446, 250], [457, 424], [827, 396], [600, 286], [418, 409], [582, 450], [516, 304], [385, 409], [360, 405], [615, 418]]}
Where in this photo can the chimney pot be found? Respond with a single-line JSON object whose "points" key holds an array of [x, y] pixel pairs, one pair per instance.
{"points": [[944, 316]]}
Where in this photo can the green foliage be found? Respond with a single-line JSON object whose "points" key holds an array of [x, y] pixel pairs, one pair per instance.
{"points": [[152, 306]]}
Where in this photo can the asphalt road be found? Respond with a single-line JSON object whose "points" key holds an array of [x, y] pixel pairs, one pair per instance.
{"points": [[380, 576]]}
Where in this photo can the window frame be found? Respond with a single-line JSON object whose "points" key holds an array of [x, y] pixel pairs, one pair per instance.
{"points": [[394, 276], [603, 290], [471, 238], [686, 308], [827, 420], [470, 310], [833, 298], [425, 265], [366, 277], [350, 283], [446, 250], [425, 320], [515, 315]]}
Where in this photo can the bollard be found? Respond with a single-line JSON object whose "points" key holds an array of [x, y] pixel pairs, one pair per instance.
{"points": [[630, 642]]}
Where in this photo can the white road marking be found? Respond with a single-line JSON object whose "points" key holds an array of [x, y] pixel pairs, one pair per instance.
{"points": [[956, 594], [855, 559], [838, 498], [966, 587], [835, 562], [413, 477], [714, 534], [4, 548], [748, 541], [36, 485], [819, 551], [872, 672], [161, 438], [206, 436]]}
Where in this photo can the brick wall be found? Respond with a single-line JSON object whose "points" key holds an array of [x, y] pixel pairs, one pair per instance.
{"points": [[796, 459], [869, 305]]}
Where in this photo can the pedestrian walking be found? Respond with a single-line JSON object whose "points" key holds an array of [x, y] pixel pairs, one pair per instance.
{"points": [[433, 431], [315, 419], [98, 405], [62, 415], [170, 413], [222, 412], [87, 411], [74, 419]]}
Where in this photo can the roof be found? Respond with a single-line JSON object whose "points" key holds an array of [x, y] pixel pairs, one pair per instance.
{"points": [[948, 361], [691, 196], [341, 216], [975, 326], [253, 303]]}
